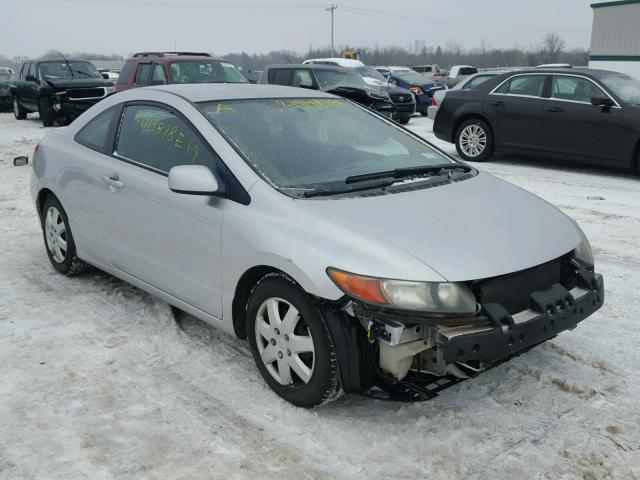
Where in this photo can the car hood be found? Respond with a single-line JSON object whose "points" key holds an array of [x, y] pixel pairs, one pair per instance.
{"points": [[473, 229], [63, 83]]}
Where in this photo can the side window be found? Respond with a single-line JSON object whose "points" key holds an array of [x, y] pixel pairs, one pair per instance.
{"points": [[33, 70], [159, 139], [476, 81], [575, 88], [158, 76], [143, 74], [96, 134], [281, 76], [25, 70], [303, 79], [125, 73], [530, 85]]}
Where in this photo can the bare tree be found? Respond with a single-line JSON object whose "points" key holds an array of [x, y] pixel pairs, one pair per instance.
{"points": [[551, 47]]}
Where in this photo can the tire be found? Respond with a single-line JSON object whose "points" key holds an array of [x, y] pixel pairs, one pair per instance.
{"points": [[47, 114], [308, 378], [58, 239], [18, 111], [404, 120], [474, 140]]}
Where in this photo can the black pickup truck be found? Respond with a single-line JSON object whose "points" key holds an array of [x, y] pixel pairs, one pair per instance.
{"points": [[58, 89]]}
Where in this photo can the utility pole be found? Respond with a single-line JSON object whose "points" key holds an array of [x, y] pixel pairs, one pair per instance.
{"points": [[331, 9]]}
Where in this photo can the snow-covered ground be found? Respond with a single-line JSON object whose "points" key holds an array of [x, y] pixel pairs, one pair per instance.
{"points": [[97, 381]]}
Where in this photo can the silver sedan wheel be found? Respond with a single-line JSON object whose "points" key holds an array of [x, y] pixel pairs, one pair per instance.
{"points": [[284, 342], [56, 234], [473, 140]]}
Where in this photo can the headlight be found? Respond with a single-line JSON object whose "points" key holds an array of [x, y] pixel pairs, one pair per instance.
{"points": [[4, 88], [416, 90], [433, 297], [110, 90], [583, 253]]}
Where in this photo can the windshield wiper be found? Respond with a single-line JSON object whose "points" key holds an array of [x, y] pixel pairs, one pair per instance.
{"points": [[324, 192], [80, 71], [408, 172]]}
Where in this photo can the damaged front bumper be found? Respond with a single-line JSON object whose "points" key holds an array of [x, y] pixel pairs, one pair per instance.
{"points": [[443, 345], [552, 311]]}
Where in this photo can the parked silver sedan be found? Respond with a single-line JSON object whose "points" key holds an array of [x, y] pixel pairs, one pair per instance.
{"points": [[350, 252]]}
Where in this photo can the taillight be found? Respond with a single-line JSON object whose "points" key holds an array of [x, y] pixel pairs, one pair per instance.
{"points": [[434, 102]]}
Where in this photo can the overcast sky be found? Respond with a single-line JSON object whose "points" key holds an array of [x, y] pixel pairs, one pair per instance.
{"points": [[30, 27]]}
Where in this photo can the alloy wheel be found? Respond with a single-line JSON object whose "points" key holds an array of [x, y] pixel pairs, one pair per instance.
{"points": [[56, 234], [284, 342], [473, 140]]}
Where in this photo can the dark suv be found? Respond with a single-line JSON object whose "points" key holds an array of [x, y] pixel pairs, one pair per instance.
{"points": [[5, 88], [160, 68], [345, 82], [59, 89]]}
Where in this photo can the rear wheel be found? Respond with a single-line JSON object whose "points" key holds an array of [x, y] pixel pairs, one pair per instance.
{"points": [[474, 141], [290, 343], [46, 111], [58, 240], [18, 111]]}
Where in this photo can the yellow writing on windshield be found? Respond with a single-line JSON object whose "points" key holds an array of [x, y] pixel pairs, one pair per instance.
{"points": [[221, 108], [309, 102]]}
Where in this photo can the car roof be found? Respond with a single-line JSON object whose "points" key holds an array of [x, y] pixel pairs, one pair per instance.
{"points": [[314, 66], [235, 91], [594, 72], [343, 62], [63, 60]]}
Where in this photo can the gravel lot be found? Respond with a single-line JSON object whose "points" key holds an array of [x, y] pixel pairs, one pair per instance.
{"points": [[99, 382]]}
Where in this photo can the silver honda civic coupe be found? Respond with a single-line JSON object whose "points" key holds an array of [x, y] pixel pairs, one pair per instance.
{"points": [[351, 253]]}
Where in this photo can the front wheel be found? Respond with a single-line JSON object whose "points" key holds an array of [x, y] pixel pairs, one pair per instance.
{"points": [[18, 110], [291, 344], [404, 119], [47, 113], [474, 141]]}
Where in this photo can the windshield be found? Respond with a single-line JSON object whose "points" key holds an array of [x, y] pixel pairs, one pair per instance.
{"points": [[311, 143], [371, 75], [206, 71], [327, 78], [625, 87], [410, 76], [68, 70]]}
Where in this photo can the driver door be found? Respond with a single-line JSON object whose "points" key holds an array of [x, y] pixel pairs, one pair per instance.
{"points": [[168, 240], [573, 126]]}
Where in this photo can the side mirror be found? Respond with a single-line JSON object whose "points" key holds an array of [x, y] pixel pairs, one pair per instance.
{"points": [[193, 180], [105, 75], [602, 102], [20, 161]]}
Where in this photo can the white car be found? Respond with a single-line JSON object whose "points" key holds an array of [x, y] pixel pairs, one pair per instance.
{"points": [[336, 62]]}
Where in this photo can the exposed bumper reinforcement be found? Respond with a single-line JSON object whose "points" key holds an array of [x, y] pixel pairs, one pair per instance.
{"points": [[552, 311]]}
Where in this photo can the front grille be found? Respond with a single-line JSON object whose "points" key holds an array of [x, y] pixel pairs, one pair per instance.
{"points": [[401, 98], [513, 290], [81, 93]]}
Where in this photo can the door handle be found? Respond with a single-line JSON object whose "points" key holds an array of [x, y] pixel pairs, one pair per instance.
{"points": [[555, 109], [497, 104], [113, 181]]}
